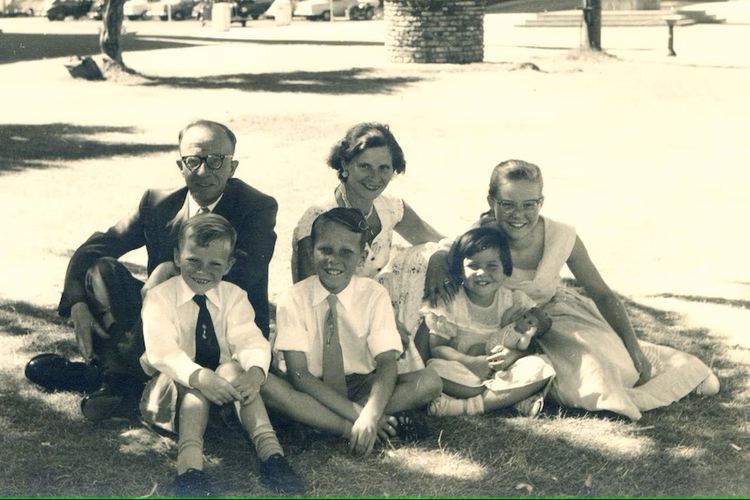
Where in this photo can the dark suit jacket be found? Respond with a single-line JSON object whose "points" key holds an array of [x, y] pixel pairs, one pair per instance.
{"points": [[156, 224]]}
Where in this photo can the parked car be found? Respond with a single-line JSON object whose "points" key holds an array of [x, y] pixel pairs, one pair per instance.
{"points": [[181, 9], [135, 9], [321, 9], [19, 8], [361, 10], [241, 10], [60, 9]]}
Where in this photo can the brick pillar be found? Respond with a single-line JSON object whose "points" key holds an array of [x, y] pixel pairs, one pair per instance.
{"points": [[434, 31]]}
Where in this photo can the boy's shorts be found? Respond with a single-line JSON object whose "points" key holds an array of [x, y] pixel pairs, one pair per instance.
{"points": [[359, 386]]}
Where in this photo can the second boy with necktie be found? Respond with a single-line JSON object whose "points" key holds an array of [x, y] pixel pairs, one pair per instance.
{"points": [[339, 340]]}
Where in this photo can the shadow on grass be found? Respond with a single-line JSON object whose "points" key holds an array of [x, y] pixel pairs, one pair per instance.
{"points": [[39, 146], [350, 81], [261, 41], [31, 46], [745, 304], [694, 447], [57, 453]]}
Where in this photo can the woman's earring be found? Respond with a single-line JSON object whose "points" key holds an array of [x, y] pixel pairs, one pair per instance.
{"points": [[344, 174]]}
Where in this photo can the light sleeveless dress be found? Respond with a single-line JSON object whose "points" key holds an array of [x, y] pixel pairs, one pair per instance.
{"points": [[594, 369], [400, 270], [468, 326]]}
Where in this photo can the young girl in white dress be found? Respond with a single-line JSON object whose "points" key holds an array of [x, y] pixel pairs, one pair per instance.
{"points": [[468, 335]]}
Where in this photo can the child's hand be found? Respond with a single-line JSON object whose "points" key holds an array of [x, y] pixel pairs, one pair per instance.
{"points": [[502, 358], [387, 427], [215, 388], [364, 432], [480, 366], [248, 384]]}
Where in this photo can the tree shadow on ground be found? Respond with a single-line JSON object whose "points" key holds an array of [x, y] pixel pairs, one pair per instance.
{"points": [[42, 145], [350, 81], [32, 46], [261, 41]]}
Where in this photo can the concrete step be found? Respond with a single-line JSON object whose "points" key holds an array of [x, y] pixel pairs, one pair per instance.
{"points": [[572, 18]]}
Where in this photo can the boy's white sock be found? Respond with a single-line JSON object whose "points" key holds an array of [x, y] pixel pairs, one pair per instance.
{"points": [[475, 405], [189, 455], [266, 443], [446, 406]]}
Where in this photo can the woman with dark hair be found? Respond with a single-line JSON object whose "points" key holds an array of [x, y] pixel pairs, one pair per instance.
{"points": [[365, 161]]}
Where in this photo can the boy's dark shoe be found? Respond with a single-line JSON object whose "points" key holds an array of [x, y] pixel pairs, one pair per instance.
{"points": [[194, 483], [101, 404], [55, 373], [412, 426], [116, 395], [278, 476]]}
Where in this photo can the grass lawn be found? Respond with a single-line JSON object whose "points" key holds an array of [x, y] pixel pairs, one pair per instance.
{"points": [[646, 158], [694, 447]]}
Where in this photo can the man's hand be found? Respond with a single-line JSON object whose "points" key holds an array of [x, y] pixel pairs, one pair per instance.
{"points": [[86, 327], [480, 366], [248, 384], [438, 284], [215, 388], [364, 432], [502, 358]]}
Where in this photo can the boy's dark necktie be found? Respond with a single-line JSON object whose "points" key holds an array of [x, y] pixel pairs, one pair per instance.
{"points": [[206, 343], [333, 359]]}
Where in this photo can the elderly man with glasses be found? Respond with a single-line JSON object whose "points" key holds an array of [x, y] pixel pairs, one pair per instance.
{"points": [[102, 297]]}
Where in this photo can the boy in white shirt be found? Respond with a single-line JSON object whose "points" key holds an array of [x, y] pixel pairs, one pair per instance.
{"points": [[340, 344], [203, 347]]}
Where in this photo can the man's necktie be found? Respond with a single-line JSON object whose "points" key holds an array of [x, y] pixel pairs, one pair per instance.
{"points": [[203, 210], [206, 343], [333, 360]]}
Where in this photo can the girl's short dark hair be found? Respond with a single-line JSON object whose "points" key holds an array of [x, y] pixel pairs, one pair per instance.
{"points": [[474, 241], [363, 136], [351, 218]]}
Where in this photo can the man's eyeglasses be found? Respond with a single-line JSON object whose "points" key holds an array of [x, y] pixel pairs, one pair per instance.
{"points": [[213, 162], [508, 207]]}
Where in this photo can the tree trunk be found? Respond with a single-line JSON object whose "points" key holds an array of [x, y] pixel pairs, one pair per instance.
{"points": [[109, 40], [592, 14]]}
